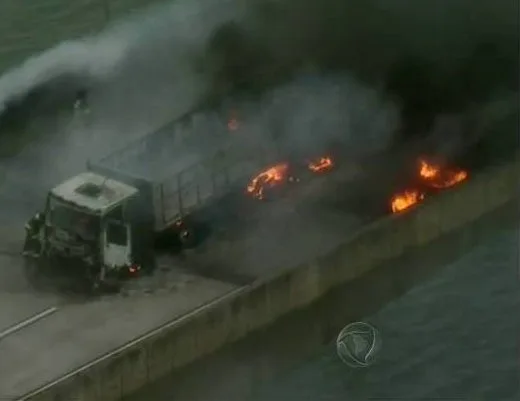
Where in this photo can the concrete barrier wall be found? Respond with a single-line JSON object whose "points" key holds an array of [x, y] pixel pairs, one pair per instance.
{"points": [[179, 343]]}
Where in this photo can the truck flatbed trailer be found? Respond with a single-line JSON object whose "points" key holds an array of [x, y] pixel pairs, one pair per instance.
{"points": [[186, 164]]}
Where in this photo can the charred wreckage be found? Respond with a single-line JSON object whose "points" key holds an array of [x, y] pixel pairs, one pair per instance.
{"points": [[104, 223]]}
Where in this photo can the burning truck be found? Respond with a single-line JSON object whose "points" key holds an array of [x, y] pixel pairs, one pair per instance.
{"points": [[105, 223]]}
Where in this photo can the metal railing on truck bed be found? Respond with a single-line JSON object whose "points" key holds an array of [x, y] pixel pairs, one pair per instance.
{"points": [[199, 185], [187, 163], [170, 147]]}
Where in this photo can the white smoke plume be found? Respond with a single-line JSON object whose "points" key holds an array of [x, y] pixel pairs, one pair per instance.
{"points": [[143, 62], [140, 71]]}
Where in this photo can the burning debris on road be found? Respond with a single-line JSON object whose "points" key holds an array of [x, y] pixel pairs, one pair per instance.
{"points": [[320, 165], [281, 173], [406, 199], [440, 178], [428, 179], [269, 178], [430, 176]]}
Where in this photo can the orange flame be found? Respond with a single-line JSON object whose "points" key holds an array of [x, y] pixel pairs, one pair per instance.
{"points": [[440, 178], [321, 164], [405, 200], [428, 171], [267, 179]]}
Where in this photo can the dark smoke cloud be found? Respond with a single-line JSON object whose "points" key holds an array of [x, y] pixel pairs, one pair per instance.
{"points": [[314, 113], [434, 55], [431, 57], [437, 59]]}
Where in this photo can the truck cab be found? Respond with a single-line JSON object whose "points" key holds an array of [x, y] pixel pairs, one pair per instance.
{"points": [[85, 225]]}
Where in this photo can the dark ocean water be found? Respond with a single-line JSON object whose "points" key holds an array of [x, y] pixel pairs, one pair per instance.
{"points": [[455, 337], [448, 333]]}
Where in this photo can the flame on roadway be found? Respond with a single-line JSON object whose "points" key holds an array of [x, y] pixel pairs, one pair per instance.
{"points": [[439, 178], [278, 174], [321, 164], [268, 178], [431, 175], [406, 199]]}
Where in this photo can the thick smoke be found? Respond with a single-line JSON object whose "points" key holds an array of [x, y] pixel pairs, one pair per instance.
{"points": [[314, 113], [139, 73], [433, 56], [143, 67], [373, 37], [430, 58]]}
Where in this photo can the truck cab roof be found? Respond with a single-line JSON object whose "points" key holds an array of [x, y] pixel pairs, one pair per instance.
{"points": [[93, 192]]}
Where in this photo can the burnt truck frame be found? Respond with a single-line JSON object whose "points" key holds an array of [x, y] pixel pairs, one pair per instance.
{"points": [[151, 188], [160, 184]]}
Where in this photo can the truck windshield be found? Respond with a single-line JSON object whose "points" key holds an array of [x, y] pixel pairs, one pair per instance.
{"points": [[70, 219]]}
